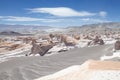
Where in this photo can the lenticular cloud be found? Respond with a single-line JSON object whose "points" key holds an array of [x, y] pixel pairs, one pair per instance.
{"points": [[61, 11]]}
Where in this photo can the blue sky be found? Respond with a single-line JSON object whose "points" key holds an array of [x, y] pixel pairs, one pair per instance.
{"points": [[58, 13]]}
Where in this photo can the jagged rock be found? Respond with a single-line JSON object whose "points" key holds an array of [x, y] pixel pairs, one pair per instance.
{"points": [[77, 37], [51, 36], [68, 41], [96, 41], [13, 47], [117, 45], [40, 49], [101, 42]]}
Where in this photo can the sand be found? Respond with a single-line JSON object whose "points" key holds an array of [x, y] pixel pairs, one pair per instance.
{"points": [[90, 70], [29, 68]]}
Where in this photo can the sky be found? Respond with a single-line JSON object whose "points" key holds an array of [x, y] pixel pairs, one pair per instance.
{"points": [[58, 13]]}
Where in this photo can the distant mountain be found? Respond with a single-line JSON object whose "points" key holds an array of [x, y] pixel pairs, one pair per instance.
{"points": [[107, 25], [13, 33], [100, 28], [33, 29], [22, 28], [10, 33]]}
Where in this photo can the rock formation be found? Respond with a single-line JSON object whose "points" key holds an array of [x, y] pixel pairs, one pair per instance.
{"points": [[96, 41], [41, 48], [68, 41], [117, 45]]}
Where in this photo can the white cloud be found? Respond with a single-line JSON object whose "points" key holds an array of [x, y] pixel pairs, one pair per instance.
{"points": [[94, 20], [103, 14], [27, 19], [16, 18], [61, 12], [52, 21], [1, 17]]}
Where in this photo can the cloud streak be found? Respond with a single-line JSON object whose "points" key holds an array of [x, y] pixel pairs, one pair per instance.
{"points": [[16, 18], [97, 20], [61, 12], [29, 19], [25, 19], [1, 17]]}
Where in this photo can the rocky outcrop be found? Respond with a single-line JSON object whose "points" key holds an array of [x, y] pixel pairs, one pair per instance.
{"points": [[14, 46], [68, 41], [41, 48], [117, 45], [77, 37], [96, 41]]}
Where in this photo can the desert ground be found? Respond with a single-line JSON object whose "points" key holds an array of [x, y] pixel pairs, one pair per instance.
{"points": [[71, 54]]}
